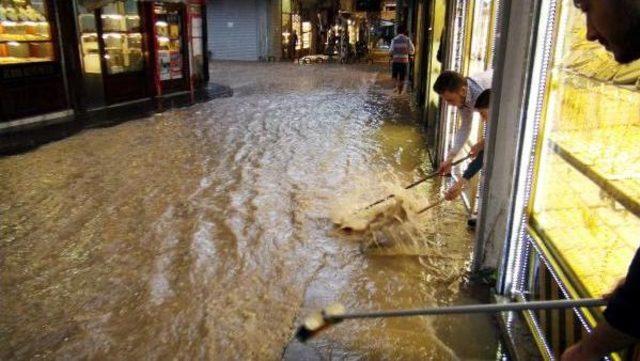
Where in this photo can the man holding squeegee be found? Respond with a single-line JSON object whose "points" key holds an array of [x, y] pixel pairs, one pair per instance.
{"points": [[482, 106], [461, 92], [616, 25]]}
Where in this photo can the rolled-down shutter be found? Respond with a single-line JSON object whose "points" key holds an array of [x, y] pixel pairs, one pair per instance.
{"points": [[233, 29]]}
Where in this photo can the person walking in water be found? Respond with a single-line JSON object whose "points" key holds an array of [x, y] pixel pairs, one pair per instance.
{"points": [[294, 45], [401, 48]]}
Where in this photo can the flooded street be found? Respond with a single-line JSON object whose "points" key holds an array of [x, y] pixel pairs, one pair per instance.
{"points": [[204, 233]]}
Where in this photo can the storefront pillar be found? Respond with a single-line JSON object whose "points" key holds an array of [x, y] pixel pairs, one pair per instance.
{"points": [[499, 219]]}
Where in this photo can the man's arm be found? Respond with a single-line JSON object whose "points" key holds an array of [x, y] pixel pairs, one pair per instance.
{"points": [[474, 167], [622, 326], [602, 341], [393, 41], [412, 49], [462, 134]]}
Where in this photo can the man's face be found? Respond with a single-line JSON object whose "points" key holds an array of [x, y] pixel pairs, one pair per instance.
{"points": [[456, 98], [615, 24], [484, 114]]}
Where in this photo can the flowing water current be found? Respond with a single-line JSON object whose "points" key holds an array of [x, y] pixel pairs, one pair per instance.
{"points": [[206, 233]]}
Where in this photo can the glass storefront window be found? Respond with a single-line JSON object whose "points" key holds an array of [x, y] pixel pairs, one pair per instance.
{"points": [[306, 35], [296, 26], [25, 32], [122, 37], [586, 205]]}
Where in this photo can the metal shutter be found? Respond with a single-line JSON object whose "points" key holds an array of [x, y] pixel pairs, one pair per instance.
{"points": [[233, 29]]}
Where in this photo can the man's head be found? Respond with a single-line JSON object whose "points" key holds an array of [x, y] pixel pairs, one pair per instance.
{"points": [[482, 104], [402, 30], [615, 24], [452, 87]]}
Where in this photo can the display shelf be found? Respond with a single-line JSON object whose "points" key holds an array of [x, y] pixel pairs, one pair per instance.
{"points": [[613, 166], [594, 239], [579, 75], [25, 41]]}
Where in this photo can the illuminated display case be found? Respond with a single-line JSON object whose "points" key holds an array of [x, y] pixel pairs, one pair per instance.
{"points": [[25, 32], [122, 37], [32, 76], [582, 205], [586, 204], [112, 51]]}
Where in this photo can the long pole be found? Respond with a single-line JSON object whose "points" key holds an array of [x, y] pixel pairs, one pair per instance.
{"points": [[469, 309], [416, 183]]}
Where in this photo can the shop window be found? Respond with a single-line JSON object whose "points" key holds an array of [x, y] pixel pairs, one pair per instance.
{"points": [[25, 32], [122, 37], [306, 35], [586, 202]]}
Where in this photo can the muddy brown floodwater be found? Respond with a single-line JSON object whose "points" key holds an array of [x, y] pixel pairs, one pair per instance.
{"points": [[204, 233]]}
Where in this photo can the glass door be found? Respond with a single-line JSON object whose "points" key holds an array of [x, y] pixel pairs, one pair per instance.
{"points": [[120, 38], [171, 60], [437, 49]]}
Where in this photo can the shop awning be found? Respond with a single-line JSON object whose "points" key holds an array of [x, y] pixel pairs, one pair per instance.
{"points": [[95, 4]]}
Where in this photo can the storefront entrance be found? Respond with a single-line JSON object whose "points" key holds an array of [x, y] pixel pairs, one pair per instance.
{"points": [[170, 48], [112, 50]]}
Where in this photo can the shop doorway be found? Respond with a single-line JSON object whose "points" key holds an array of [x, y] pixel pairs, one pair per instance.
{"points": [[170, 48], [120, 34]]}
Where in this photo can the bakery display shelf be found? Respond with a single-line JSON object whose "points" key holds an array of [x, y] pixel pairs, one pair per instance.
{"points": [[593, 241], [579, 75], [629, 200], [8, 60], [3, 41], [122, 32]]}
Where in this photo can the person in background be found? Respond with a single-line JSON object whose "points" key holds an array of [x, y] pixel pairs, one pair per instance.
{"points": [[401, 48], [294, 44], [616, 25], [461, 92], [482, 106]]}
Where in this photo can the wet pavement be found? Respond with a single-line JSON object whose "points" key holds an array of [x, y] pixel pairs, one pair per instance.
{"points": [[203, 233]]}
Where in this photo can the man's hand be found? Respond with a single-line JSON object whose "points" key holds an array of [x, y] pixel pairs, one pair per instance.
{"points": [[620, 283], [455, 190], [578, 353], [476, 148], [445, 167]]}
